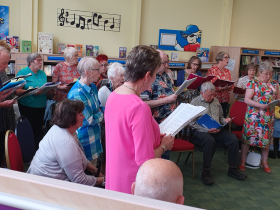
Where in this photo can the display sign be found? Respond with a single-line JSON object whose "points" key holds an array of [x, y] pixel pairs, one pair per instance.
{"points": [[176, 64], [271, 53], [256, 52]]}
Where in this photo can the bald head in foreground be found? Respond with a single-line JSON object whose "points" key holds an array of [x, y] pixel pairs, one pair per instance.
{"points": [[159, 179]]}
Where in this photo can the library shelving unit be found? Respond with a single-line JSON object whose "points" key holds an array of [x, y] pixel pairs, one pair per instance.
{"points": [[245, 55]]}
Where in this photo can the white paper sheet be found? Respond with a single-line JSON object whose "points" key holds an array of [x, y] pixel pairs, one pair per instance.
{"points": [[230, 65], [168, 39]]}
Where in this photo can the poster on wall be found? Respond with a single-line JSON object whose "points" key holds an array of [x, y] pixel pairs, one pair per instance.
{"points": [[188, 40], [4, 22]]}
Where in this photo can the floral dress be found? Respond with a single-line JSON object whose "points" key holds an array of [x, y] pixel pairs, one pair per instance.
{"points": [[258, 124]]}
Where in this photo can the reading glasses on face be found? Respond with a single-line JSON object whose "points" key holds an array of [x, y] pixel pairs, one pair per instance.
{"points": [[166, 62], [104, 65], [95, 69], [226, 57], [195, 64], [39, 60]]}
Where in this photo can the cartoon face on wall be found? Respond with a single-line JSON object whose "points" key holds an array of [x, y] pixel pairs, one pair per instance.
{"points": [[188, 40]]}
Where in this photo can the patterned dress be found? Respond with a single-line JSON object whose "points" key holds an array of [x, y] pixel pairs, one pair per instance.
{"points": [[258, 124]]}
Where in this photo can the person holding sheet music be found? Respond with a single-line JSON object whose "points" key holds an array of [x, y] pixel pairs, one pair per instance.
{"points": [[209, 138], [33, 106], [219, 70], [161, 97], [103, 63], [132, 134], [251, 70], [66, 72], [4, 60], [259, 117]]}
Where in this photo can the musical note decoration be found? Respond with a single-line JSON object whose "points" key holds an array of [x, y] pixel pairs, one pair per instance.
{"points": [[88, 20]]}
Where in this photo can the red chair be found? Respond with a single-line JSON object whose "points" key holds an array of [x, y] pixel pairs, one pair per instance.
{"points": [[238, 111], [180, 146], [12, 152]]}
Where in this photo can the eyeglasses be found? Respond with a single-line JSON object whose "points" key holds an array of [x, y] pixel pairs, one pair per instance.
{"points": [[195, 64], [227, 57], [95, 69], [104, 65], [164, 63], [39, 60]]}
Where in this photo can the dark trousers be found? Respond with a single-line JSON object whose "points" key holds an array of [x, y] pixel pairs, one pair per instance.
{"points": [[210, 141], [224, 107], [2, 146], [35, 116]]}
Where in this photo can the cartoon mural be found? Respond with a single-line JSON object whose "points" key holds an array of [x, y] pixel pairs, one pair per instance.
{"points": [[188, 40], [4, 22]]}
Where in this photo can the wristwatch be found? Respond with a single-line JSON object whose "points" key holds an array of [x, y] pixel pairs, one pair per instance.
{"points": [[103, 183], [163, 148]]}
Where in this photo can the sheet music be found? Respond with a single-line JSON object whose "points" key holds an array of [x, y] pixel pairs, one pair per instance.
{"points": [[88, 20], [180, 117], [184, 86], [274, 103]]}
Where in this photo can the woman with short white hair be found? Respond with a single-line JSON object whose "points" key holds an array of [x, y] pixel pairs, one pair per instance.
{"points": [[66, 72], [116, 78], [85, 91], [259, 117]]}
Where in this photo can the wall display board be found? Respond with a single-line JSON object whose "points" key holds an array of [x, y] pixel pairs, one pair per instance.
{"points": [[88, 20], [188, 40], [4, 22]]}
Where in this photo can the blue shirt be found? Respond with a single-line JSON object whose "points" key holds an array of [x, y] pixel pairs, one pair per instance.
{"points": [[90, 133], [36, 80]]}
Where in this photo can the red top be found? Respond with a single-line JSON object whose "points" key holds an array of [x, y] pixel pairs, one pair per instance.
{"points": [[221, 95], [66, 74]]}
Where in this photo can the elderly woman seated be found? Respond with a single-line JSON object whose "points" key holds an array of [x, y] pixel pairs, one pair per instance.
{"points": [[116, 79], [60, 155]]}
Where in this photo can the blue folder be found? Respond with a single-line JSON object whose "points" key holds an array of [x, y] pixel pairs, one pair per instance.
{"points": [[208, 122], [11, 85]]}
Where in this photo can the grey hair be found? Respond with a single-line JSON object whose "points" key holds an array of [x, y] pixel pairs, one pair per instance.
{"points": [[86, 63], [265, 66], [69, 52], [31, 57], [207, 86], [115, 69], [220, 56], [3, 49]]}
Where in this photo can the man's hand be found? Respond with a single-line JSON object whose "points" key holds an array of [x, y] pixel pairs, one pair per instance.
{"points": [[227, 120], [7, 103], [170, 99], [214, 130]]}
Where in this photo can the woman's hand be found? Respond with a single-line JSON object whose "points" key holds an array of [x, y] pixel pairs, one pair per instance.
{"points": [[263, 106], [7, 103], [39, 92], [64, 87], [4, 95], [168, 142]]}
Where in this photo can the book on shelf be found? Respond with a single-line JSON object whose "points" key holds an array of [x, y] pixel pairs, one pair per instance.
{"points": [[175, 74], [95, 51], [122, 52], [70, 45], [48, 70], [223, 83], [185, 85], [180, 118], [13, 42], [239, 90], [203, 54], [247, 59], [60, 48], [13, 85], [208, 122], [16, 79], [28, 92], [79, 48], [272, 62], [45, 42], [26, 46], [174, 56], [198, 81], [46, 87], [89, 50], [53, 67], [10, 69]]}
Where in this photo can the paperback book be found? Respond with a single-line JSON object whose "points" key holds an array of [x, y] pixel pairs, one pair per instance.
{"points": [[95, 51], [26, 46], [79, 48], [48, 70], [208, 122], [198, 81], [122, 52], [223, 83], [203, 54], [45, 42], [60, 48], [13, 42], [89, 50], [185, 84]]}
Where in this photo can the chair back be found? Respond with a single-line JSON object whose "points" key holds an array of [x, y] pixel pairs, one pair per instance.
{"points": [[238, 111], [13, 152], [25, 137]]}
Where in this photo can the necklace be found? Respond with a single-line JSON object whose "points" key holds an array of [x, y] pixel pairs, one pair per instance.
{"points": [[130, 89]]}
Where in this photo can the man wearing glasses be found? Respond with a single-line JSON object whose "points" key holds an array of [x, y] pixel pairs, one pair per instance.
{"points": [[162, 99]]}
